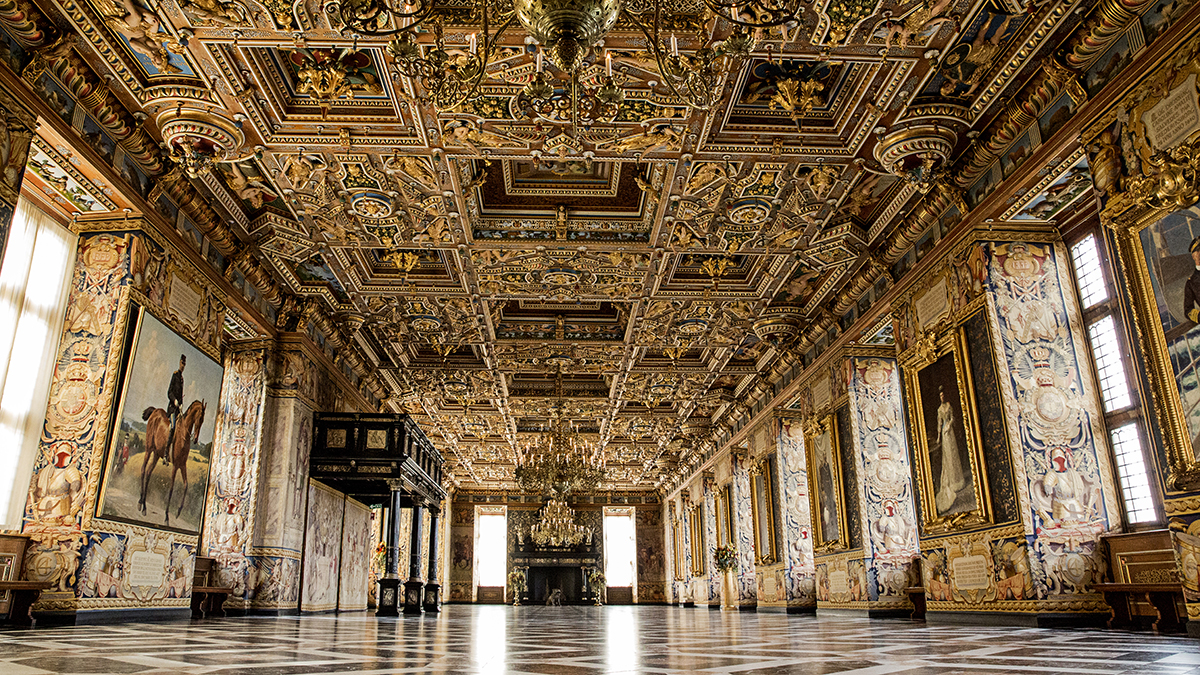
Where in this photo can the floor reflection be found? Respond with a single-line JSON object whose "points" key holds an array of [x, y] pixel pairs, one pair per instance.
{"points": [[538, 640]]}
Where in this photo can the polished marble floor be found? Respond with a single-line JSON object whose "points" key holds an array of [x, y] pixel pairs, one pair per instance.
{"points": [[548, 640]]}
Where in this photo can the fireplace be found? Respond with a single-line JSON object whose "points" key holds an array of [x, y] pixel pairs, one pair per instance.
{"points": [[543, 581]]}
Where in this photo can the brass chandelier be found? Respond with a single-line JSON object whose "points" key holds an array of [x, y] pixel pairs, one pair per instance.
{"points": [[559, 462], [556, 526], [568, 32]]}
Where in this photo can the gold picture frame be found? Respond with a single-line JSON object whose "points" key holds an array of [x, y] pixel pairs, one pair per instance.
{"points": [[724, 503], [1152, 250], [677, 547], [696, 529], [829, 519], [942, 419], [762, 507]]}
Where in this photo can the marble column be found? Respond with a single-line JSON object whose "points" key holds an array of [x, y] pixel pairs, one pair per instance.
{"points": [[743, 531], [415, 583], [796, 541], [433, 600], [389, 583]]}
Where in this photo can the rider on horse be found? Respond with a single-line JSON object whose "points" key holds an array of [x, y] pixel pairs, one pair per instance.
{"points": [[175, 395]]}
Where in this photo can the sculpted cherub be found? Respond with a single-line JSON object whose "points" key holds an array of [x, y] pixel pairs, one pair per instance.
{"points": [[662, 136], [926, 16]]}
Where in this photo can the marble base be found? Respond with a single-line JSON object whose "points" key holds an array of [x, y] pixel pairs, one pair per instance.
{"points": [[433, 598], [1031, 620], [389, 598], [413, 596]]}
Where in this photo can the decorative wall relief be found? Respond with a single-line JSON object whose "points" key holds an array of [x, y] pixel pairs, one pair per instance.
{"points": [[16, 132], [743, 530], [462, 551], [127, 565], [797, 545], [356, 556], [712, 578], [889, 516], [1063, 480], [322, 544], [651, 555], [231, 491]]}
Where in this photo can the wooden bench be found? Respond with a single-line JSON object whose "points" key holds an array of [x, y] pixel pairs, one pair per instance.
{"points": [[207, 599], [22, 595], [1143, 585], [916, 595]]}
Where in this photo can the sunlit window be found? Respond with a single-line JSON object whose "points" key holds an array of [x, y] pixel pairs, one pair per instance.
{"points": [[34, 286], [1131, 467], [620, 552], [490, 550], [1088, 270]]}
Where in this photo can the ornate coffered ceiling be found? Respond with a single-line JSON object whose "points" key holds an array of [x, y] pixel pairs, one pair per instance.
{"points": [[648, 279]]}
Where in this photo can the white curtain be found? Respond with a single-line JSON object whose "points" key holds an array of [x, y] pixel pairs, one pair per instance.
{"points": [[35, 281]]}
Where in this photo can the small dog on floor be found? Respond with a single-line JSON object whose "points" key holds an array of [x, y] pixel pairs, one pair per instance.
{"points": [[555, 599]]}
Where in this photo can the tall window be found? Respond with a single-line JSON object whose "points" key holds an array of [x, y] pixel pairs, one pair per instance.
{"points": [[620, 549], [35, 281], [1114, 370], [491, 546]]}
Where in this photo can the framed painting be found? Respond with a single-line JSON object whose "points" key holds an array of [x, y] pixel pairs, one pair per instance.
{"points": [[157, 467], [953, 483], [1158, 240], [724, 504], [696, 530], [763, 507], [824, 470], [677, 547]]}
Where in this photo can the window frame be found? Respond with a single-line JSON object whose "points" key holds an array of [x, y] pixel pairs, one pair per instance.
{"points": [[1117, 307]]}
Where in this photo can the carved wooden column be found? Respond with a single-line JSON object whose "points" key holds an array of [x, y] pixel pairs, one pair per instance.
{"points": [[433, 600], [415, 584]]}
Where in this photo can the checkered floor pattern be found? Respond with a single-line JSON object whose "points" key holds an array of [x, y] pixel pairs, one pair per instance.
{"points": [[550, 640]]}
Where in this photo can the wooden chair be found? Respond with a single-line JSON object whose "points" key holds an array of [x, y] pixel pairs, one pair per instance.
{"points": [[1143, 586], [17, 594], [207, 598]]}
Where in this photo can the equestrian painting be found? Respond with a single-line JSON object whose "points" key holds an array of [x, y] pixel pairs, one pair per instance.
{"points": [[158, 466]]}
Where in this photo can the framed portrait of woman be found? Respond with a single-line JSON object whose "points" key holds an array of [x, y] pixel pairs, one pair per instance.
{"points": [[953, 483], [825, 487]]}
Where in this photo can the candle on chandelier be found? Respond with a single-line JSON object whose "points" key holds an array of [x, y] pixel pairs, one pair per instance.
{"points": [[674, 45], [608, 62], [539, 61], [471, 41]]}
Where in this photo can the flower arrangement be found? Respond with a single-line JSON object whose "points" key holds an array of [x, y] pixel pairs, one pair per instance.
{"points": [[516, 581], [596, 578], [725, 558], [380, 556]]}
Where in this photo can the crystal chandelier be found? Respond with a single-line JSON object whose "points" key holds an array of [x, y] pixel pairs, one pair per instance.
{"points": [[556, 526], [560, 462], [568, 32]]}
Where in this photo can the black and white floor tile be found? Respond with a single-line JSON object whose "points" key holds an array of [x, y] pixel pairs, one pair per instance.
{"points": [[552, 640]]}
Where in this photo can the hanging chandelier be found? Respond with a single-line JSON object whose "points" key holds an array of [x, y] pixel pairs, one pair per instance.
{"points": [[556, 526], [568, 32], [560, 461]]}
